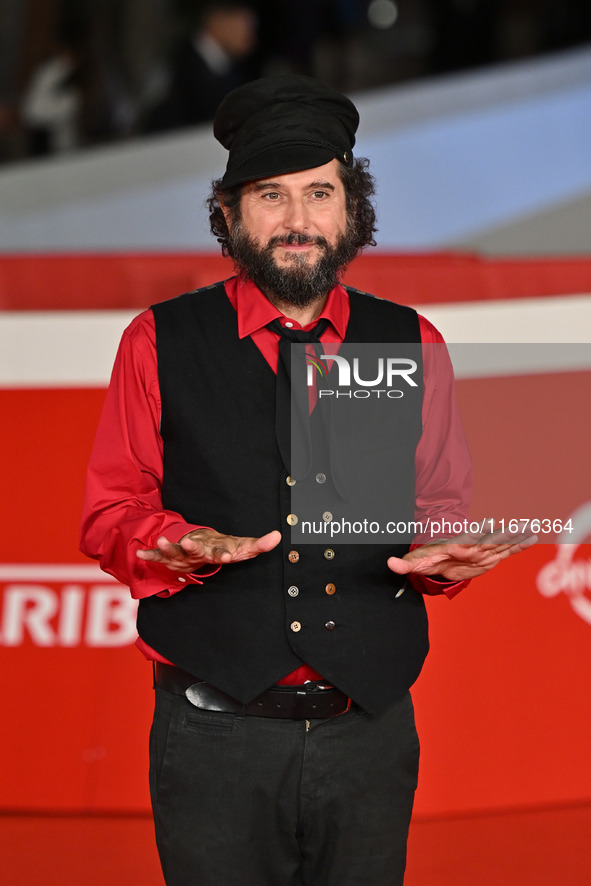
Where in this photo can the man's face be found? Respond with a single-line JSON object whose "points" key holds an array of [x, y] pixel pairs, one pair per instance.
{"points": [[311, 202], [292, 235], [234, 29]]}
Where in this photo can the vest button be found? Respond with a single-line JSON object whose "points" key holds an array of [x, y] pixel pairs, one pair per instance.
{"points": [[329, 554], [320, 477], [295, 626], [330, 625], [290, 481], [330, 588], [293, 556], [292, 519], [293, 591], [327, 516]]}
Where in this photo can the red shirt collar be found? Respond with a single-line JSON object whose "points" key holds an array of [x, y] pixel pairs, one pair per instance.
{"points": [[255, 311]]}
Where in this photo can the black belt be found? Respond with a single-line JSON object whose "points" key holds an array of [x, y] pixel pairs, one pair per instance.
{"points": [[309, 702]]}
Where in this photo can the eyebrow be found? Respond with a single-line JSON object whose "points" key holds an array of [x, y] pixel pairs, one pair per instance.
{"points": [[263, 186], [327, 185]]}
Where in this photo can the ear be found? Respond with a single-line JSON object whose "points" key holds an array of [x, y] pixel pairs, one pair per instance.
{"points": [[226, 211]]}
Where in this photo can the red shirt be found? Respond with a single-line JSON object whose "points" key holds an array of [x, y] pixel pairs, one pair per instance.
{"points": [[123, 509]]}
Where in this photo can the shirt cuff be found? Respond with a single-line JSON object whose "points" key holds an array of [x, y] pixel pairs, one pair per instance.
{"points": [[433, 585], [178, 581]]}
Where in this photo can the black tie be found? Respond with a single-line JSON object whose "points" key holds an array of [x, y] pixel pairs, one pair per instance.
{"points": [[289, 387]]}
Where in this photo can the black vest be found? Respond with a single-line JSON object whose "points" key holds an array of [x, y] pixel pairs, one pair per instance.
{"points": [[333, 606]]}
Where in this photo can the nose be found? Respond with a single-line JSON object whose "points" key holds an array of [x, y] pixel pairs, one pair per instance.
{"points": [[296, 216]]}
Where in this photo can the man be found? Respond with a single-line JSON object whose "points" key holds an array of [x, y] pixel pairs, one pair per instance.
{"points": [[283, 748], [211, 62]]}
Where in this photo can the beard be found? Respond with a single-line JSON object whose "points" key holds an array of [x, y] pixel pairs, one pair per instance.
{"points": [[300, 282]]}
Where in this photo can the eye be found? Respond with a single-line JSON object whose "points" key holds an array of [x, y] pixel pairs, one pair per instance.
{"points": [[320, 195], [271, 195]]}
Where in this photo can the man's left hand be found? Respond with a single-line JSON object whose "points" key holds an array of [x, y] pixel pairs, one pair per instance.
{"points": [[461, 558]]}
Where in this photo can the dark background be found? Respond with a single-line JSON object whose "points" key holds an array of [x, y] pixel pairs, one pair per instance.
{"points": [[127, 47]]}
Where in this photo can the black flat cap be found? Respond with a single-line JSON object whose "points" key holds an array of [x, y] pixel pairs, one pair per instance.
{"points": [[284, 124]]}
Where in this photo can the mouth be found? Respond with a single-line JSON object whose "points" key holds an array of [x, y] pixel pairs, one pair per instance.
{"points": [[296, 242], [297, 247]]}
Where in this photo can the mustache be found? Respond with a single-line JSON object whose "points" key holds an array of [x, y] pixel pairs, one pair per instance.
{"points": [[297, 239]]}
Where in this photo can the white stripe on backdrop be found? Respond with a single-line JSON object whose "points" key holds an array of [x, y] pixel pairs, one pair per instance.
{"points": [[76, 349]]}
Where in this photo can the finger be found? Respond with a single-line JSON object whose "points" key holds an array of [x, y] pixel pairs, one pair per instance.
{"points": [[423, 564], [475, 553], [398, 565], [528, 542], [510, 545], [515, 548], [166, 552], [169, 549], [176, 564], [217, 548], [246, 548], [266, 542], [153, 555], [192, 547], [503, 536]]}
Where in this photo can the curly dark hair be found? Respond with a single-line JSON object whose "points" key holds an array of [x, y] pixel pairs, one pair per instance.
{"points": [[359, 189]]}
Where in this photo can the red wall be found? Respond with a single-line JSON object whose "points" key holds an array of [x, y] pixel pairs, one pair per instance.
{"points": [[503, 702]]}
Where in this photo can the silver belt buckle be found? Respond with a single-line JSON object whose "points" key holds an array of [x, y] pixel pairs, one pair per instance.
{"points": [[207, 698]]}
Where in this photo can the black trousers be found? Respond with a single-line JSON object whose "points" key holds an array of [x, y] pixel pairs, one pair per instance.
{"points": [[251, 801]]}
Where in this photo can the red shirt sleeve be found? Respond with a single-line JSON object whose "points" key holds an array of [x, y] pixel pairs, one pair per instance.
{"points": [[442, 461], [123, 509]]}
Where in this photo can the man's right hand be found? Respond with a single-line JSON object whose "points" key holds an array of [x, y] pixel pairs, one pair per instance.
{"points": [[203, 547]]}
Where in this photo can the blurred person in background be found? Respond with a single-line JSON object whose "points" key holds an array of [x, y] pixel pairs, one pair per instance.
{"points": [[77, 96], [51, 105], [210, 63]]}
